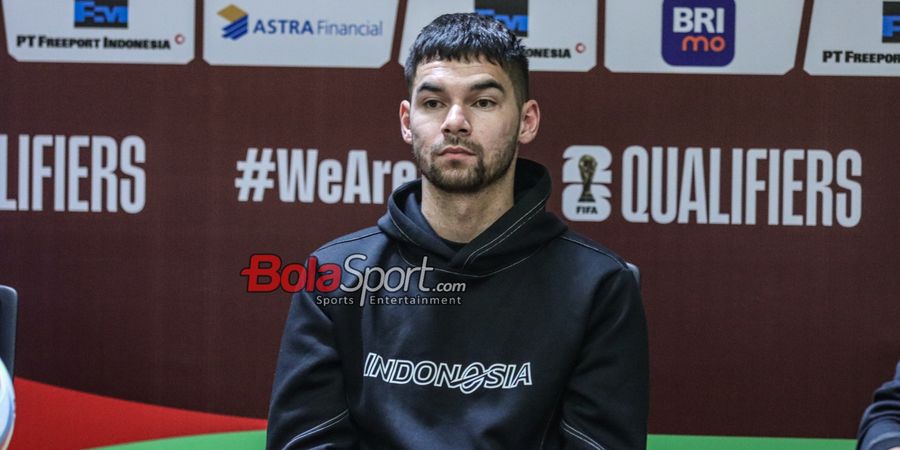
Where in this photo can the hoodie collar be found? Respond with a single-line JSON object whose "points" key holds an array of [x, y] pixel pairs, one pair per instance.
{"points": [[517, 234]]}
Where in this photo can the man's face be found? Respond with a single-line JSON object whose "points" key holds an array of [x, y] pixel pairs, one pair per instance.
{"points": [[463, 123]]}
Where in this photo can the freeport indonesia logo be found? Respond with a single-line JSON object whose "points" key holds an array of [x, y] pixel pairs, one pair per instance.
{"points": [[890, 33], [512, 13], [890, 22], [101, 13]]}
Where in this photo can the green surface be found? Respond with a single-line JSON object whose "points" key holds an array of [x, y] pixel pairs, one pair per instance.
{"points": [[242, 440], [678, 442], [255, 440]]}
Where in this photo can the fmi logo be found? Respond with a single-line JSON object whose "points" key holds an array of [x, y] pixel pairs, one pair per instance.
{"points": [[698, 32], [101, 13], [890, 22], [587, 175], [513, 13]]}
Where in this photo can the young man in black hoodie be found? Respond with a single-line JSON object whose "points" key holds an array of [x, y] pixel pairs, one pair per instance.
{"points": [[469, 317]]}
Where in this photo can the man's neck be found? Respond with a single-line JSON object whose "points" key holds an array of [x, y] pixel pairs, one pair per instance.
{"points": [[462, 217]]}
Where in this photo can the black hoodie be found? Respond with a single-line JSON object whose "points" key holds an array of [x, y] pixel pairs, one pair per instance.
{"points": [[529, 336], [880, 425]]}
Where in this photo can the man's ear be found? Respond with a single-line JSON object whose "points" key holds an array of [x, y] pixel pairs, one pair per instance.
{"points": [[530, 120], [404, 122]]}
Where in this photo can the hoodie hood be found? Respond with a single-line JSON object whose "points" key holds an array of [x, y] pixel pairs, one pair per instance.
{"points": [[518, 233]]}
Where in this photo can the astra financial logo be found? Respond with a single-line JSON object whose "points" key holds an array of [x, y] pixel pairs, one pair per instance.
{"points": [[239, 25], [698, 32], [512, 13], [101, 13], [238, 21], [890, 22]]}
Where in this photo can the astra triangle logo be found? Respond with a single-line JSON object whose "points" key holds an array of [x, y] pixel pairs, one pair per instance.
{"points": [[237, 22]]}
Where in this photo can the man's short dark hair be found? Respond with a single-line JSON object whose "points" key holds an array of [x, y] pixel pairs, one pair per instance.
{"points": [[466, 37]]}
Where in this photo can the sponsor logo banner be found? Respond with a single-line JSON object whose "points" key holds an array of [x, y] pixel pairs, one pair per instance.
{"points": [[702, 36], [315, 33], [714, 186], [698, 35], [854, 38], [513, 13], [100, 31], [559, 36]]}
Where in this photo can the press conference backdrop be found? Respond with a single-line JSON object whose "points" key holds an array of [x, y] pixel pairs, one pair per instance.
{"points": [[745, 156]]}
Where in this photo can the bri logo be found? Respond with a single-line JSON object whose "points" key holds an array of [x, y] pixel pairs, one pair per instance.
{"points": [[698, 32], [238, 21], [467, 379], [101, 13], [512, 13]]}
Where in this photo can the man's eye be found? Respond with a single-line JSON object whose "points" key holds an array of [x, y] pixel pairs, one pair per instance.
{"points": [[484, 103], [431, 104]]}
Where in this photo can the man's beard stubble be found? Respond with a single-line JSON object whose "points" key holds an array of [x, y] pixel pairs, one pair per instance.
{"points": [[477, 178]]}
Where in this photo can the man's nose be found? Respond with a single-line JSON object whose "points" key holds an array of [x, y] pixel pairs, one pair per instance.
{"points": [[456, 121]]}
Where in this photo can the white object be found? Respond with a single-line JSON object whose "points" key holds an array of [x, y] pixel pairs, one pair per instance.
{"points": [[765, 34], [845, 38], [310, 33], [157, 32], [562, 36], [7, 408]]}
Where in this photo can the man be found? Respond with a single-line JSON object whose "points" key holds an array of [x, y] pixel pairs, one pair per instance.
{"points": [[880, 425], [541, 341]]}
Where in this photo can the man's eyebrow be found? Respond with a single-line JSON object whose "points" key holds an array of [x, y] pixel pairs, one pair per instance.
{"points": [[480, 86], [488, 84], [426, 86]]}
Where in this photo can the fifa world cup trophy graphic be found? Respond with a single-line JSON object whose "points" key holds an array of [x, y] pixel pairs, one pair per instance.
{"points": [[586, 165]]}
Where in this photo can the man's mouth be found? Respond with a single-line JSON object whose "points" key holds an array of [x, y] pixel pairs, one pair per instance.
{"points": [[455, 150]]}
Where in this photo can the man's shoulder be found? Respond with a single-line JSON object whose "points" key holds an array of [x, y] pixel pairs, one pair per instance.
{"points": [[356, 241], [583, 250]]}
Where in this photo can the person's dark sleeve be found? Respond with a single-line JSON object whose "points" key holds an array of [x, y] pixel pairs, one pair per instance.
{"points": [[606, 402], [880, 425], [309, 407]]}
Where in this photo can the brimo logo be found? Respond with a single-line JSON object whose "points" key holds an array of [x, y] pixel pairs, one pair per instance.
{"points": [[698, 32]]}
